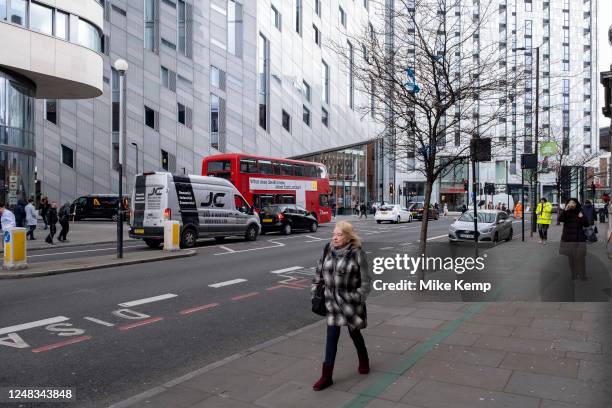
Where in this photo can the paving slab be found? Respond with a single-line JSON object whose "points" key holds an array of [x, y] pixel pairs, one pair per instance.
{"points": [[550, 323], [262, 362], [299, 395], [501, 320], [548, 334], [480, 328], [409, 321], [518, 345], [550, 365], [221, 402], [399, 386], [176, 397], [469, 355], [578, 346]]}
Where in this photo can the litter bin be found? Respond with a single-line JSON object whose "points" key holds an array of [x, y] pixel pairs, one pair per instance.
{"points": [[15, 249]]}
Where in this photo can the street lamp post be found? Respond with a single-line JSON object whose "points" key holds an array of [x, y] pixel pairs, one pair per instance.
{"points": [[121, 66], [136, 146]]}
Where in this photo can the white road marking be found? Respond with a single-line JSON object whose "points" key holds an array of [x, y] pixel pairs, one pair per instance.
{"points": [[293, 268], [385, 248], [31, 325], [227, 283], [439, 236], [102, 322], [226, 248], [81, 252], [147, 300], [314, 238], [278, 244]]}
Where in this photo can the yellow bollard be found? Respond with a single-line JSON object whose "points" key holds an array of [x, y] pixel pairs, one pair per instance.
{"points": [[15, 252], [172, 236]]}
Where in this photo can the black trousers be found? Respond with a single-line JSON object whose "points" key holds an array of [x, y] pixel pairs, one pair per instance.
{"points": [[543, 231], [577, 264], [64, 232], [52, 231], [331, 345], [30, 233]]}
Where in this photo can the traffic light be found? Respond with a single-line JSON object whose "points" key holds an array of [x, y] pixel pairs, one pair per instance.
{"points": [[466, 185], [391, 189], [489, 188]]}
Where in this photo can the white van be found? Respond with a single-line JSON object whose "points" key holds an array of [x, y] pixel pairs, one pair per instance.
{"points": [[206, 207]]}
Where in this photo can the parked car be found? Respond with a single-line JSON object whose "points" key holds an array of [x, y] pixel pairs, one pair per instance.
{"points": [[392, 213], [416, 209], [286, 218], [493, 225], [97, 206], [205, 207]]}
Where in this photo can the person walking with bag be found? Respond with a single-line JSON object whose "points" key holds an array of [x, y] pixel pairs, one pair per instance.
{"points": [[573, 239], [31, 219], [44, 208], [64, 220], [343, 280], [51, 221], [544, 213]]}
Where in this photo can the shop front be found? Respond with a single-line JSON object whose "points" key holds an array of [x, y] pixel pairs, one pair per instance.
{"points": [[452, 186]]}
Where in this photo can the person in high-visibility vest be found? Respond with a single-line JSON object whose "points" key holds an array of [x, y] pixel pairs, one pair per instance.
{"points": [[544, 213], [518, 210]]}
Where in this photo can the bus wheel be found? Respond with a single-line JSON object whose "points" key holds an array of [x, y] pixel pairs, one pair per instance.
{"points": [[188, 238], [287, 229], [153, 243], [251, 233]]}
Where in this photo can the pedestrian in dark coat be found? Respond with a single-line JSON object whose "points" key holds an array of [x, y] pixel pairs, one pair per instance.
{"points": [[64, 220], [344, 270], [589, 211], [44, 208], [573, 239], [20, 214], [51, 221]]}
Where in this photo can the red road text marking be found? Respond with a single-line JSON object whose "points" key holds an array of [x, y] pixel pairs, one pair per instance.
{"points": [[60, 344], [248, 295], [138, 324], [198, 308]]}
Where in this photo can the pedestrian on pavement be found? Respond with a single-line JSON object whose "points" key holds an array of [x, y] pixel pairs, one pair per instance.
{"points": [[31, 219], [7, 218], [589, 211], [356, 208], [544, 213], [51, 221], [20, 214], [344, 270], [463, 208], [333, 208], [362, 210], [44, 208], [64, 220], [573, 239], [445, 210], [518, 210]]}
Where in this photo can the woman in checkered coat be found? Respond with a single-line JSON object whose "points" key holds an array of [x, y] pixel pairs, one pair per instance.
{"points": [[344, 270]]}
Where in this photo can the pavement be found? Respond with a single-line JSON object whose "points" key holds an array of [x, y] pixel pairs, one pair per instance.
{"points": [[428, 354]]}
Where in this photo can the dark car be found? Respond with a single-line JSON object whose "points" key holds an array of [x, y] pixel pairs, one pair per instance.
{"points": [[97, 206], [417, 211], [286, 218]]}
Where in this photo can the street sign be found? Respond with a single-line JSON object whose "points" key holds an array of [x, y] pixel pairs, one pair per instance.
{"points": [[548, 149]]}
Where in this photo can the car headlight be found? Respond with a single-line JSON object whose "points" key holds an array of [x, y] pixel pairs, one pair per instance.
{"points": [[487, 229]]}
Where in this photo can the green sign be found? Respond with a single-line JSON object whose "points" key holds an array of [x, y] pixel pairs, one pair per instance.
{"points": [[548, 149]]}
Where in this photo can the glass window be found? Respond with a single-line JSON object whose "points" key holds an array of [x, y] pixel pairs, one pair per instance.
{"points": [[17, 12], [51, 110], [149, 117], [41, 18], [214, 121], [324, 117], [149, 25], [342, 16], [306, 115], [265, 167], [318, 7], [286, 169], [277, 18], [2, 9], [89, 36], [317, 35], [62, 25], [67, 156], [164, 160], [263, 81], [248, 165], [181, 18], [286, 121], [306, 90], [215, 76], [351, 88], [298, 16], [325, 80], [299, 170], [165, 77], [181, 113], [220, 165], [234, 27]]}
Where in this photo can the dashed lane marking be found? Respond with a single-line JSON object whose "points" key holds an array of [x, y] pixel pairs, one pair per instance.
{"points": [[278, 244], [198, 308], [292, 268], [30, 325], [148, 300], [438, 237], [246, 295], [227, 248], [140, 323], [227, 283], [61, 344], [385, 248]]}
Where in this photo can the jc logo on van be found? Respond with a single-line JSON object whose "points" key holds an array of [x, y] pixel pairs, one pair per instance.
{"points": [[213, 199], [155, 191]]}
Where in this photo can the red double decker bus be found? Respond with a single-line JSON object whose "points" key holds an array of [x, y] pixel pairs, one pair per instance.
{"points": [[266, 180]]}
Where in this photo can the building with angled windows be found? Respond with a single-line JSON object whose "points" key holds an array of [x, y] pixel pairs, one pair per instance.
{"points": [[48, 49], [206, 77]]}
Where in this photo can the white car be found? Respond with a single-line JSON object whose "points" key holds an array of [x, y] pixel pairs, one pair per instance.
{"points": [[392, 213]]}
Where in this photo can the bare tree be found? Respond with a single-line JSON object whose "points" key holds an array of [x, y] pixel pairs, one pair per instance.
{"points": [[434, 82]]}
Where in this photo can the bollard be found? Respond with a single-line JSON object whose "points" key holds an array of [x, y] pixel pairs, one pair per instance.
{"points": [[15, 249], [172, 236]]}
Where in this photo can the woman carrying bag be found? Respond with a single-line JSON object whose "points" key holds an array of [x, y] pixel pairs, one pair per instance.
{"points": [[342, 282], [573, 238]]}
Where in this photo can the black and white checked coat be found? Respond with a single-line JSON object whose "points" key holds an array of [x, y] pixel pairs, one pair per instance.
{"points": [[347, 284]]}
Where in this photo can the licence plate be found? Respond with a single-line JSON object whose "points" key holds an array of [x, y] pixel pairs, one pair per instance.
{"points": [[468, 235], [384, 212], [266, 220], [139, 231]]}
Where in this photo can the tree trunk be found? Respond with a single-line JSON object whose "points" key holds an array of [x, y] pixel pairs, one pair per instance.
{"points": [[559, 202], [425, 224]]}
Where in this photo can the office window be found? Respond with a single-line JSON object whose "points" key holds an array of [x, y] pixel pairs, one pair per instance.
{"points": [[215, 76], [214, 121], [565, 18], [342, 16], [41, 18], [51, 110], [298, 16], [150, 118], [306, 90], [62, 25], [277, 18], [325, 81], [306, 115], [17, 12], [366, 4], [317, 35], [181, 17], [324, 117], [528, 5], [317, 4], [286, 121], [180, 113], [234, 27], [149, 24], [263, 68], [165, 160], [165, 77], [350, 83], [68, 156], [528, 27]]}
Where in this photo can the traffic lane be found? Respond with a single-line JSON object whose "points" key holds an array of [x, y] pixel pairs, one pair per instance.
{"points": [[57, 253]]}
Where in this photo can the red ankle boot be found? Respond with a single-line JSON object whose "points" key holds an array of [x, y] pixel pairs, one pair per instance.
{"points": [[326, 378], [364, 363]]}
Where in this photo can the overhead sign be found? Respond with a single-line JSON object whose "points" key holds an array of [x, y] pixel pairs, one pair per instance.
{"points": [[548, 149]]}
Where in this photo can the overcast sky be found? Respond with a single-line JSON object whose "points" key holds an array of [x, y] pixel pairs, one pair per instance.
{"points": [[604, 16]]}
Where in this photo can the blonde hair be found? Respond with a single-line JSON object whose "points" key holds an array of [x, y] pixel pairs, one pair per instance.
{"points": [[347, 229]]}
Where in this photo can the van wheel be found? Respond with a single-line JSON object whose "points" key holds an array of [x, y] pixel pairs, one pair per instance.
{"points": [[287, 229], [313, 227], [219, 239], [251, 233], [153, 243], [188, 238]]}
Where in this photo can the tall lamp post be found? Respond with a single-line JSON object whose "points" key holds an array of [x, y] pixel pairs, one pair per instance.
{"points": [[136, 146], [121, 66]]}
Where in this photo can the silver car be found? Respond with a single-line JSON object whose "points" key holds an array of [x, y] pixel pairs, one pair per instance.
{"points": [[493, 225]]}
